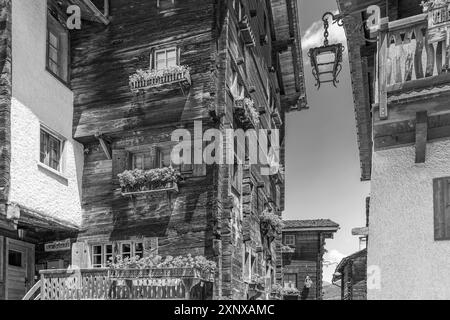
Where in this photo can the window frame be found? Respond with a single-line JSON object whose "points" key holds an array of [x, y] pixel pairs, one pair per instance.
{"points": [[63, 52], [105, 256], [61, 140], [158, 5], [291, 236], [286, 283], [154, 54]]}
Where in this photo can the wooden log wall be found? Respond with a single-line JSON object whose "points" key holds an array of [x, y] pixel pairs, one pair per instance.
{"points": [[5, 123], [306, 260], [5, 101], [201, 218]]}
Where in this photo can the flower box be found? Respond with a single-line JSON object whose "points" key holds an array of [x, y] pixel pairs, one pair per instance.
{"points": [[246, 113], [134, 182], [246, 32], [277, 118], [156, 273], [270, 224], [148, 79]]}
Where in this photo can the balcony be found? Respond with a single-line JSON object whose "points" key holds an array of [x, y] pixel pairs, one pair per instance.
{"points": [[246, 113], [151, 79], [246, 31], [128, 284], [413, 56], [412, 87]]}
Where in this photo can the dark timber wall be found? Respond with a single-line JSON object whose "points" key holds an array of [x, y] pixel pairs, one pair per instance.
{"points": [[202, 218]]}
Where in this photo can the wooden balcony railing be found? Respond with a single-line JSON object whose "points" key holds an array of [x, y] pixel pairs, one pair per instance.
{"points": [[438, 16], [130, 284], [410, 54]]}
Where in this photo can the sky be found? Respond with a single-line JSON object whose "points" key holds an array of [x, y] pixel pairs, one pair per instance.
{"points": [[322, 160]]}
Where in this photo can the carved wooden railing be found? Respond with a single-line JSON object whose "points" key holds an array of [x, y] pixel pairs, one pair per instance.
{"points": [[439, 15], [130, 284], [409, 50], [182, 77]]}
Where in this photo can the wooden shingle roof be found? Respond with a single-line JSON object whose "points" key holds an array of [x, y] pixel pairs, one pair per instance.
{"points": [[306, 224]]}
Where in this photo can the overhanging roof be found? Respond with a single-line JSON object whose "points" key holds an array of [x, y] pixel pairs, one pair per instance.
{"points": [[286, 31], [310, 225], [360, 83]]}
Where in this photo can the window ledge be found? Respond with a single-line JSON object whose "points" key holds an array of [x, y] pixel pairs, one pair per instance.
{"points": [[59, 79], [53, 172]]}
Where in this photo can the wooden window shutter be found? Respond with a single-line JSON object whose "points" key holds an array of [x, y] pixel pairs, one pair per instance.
{"points": [[81, 256], [441, 190], [150, 246], [155, 155], [121, 161], [152, 59]]}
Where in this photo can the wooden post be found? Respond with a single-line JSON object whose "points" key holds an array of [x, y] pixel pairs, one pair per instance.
{"points": [[382, 60]]}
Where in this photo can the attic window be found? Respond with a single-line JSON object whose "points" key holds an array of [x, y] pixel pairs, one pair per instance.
{"points": [[165, 4]]}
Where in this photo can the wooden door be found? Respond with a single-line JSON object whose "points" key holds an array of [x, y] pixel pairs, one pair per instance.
{"points": [[19, 268]]}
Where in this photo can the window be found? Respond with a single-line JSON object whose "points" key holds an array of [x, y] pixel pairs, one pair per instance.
{"points": [[289, 240], [142, 161], [57, 47], [102, 254], [50, 150], [156, 158], [441, 190], [165, 4], [166, 58], [290, 280], [15, 258]]}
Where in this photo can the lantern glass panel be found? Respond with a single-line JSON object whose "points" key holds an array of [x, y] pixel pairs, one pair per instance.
{"points": [[326, 57]]}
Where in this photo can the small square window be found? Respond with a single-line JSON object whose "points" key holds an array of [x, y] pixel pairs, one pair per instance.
{"points": [[165, 4], [166, 58], [15, 258], [289, 240], [50, 150]]}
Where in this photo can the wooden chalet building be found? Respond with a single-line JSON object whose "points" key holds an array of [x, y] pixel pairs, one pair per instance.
{"points": [[351, 276], [113, 93], [401, 90], [307, 239]]}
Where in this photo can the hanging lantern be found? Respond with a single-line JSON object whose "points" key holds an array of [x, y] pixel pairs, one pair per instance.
{"points": [[326, 60]]}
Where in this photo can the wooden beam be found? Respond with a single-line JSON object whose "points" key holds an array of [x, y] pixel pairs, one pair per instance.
{"points": [[382, 60], [360, 231], [421, 136], [106, 146]]}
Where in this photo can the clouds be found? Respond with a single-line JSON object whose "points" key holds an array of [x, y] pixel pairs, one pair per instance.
{"points": [[313, 36], [331, 260]]}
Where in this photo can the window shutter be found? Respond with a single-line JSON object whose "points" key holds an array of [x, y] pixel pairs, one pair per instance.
{"points": [[150, 246], [152, 59], [441, 190], [155, 155], [121, 161], [178, 56], [81, 257]]}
